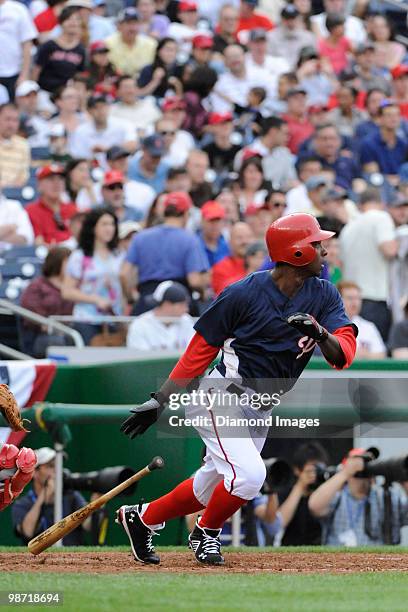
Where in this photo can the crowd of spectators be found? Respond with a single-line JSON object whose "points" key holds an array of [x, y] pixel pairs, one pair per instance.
{"points": [[158, 139]]}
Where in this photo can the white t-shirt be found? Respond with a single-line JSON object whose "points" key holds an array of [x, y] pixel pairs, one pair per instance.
{"points": [[363, 262], [369, 338], [11, 212], [141, 115], [148, 333], [16, 27], [86, 136], [235, 89], [272, 69], [297, 200], [180, 148]]}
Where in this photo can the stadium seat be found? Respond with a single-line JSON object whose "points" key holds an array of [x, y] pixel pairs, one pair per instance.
{"points": [[22, 253], [40, 153], [20, 269], [24, 195]]}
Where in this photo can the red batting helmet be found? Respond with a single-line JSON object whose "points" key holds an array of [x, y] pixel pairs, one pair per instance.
{"points": [[289, 239]]}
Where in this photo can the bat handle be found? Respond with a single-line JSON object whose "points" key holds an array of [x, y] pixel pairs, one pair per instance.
{"points": [[157, 463]]}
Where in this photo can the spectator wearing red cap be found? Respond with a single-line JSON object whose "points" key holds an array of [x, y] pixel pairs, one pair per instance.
{"points": [[232, 267], [130, 107], [138, 196], [102, 74], [114, 197], [186, 28], [250, 18], [400, 88], [150, 22], [159, 77], [49, 216], [129, 51], [259, 218], [221, 151], [211, 232], [165, 252]]}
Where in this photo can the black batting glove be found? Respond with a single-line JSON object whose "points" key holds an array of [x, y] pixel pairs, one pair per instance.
{"points": [[143, 416], [308, 326]]}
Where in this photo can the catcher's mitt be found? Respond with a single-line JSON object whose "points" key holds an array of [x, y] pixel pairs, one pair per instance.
{"points": [[10, 410]]}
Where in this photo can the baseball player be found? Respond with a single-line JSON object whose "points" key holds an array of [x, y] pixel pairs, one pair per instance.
{"points": [[266, 326]]}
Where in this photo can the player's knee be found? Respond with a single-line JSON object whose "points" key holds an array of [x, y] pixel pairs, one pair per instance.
{"points": [[248, 481]]}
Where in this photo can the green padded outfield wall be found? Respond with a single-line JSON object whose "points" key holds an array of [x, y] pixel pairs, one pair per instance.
{"points": [[94, 447]]}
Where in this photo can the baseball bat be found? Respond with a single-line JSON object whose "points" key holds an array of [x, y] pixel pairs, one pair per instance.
{"points": [[72, 521]]}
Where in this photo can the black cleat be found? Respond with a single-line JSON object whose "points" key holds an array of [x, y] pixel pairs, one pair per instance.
{"points": [[206, 545], [140, 536]]}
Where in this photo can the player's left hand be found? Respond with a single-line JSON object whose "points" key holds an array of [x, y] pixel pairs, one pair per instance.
{"points": [[308, 326]]}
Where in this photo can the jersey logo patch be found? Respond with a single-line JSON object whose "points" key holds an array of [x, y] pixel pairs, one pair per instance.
{"points": [[306, 344]]}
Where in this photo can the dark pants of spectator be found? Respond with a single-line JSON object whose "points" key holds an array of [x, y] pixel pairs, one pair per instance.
{"points": [[88, 331], [10, 84], [36, 343], [379, 314]]}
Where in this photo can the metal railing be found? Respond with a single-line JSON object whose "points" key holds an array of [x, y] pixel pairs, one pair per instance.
{"points": [[47, 322], [12, 353]]}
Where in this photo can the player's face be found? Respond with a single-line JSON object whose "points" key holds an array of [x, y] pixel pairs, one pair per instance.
{"points": [[315, 267]]}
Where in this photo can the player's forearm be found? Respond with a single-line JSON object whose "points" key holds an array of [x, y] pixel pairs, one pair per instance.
{"points": [[332, 351], [289, 506], [320, 499]]}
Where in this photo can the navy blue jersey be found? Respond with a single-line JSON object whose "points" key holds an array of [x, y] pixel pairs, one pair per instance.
{"points": [[248, 321]]}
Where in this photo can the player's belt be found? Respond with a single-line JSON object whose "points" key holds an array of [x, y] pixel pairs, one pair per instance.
{"points": [[233, 388]]}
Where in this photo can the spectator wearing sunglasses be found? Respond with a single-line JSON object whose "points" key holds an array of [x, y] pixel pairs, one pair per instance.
{"points": [[114, 197], [275, 201], [49, 215], [178, 143]]}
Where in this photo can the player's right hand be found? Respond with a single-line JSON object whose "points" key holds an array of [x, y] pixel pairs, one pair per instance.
{"points": [[142, 417]]}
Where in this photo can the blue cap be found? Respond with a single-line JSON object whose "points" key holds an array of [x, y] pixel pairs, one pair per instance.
{"points": [[170, 291], [314, 182], [154, 145]]}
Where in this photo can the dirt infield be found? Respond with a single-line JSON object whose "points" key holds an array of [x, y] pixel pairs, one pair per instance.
{"points": [[236, 562]]}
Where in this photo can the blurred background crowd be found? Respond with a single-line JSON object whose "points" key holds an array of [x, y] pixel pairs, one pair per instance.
{"points": [[146, 147]]}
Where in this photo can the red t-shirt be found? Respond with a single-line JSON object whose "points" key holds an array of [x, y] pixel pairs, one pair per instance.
{"points": [[298, 131], [254, 22], [337, 55], [46, 21], [227, 271], [46, 225]]}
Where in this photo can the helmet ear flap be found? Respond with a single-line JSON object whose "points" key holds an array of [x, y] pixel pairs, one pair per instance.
{"points": [[303, 255]]}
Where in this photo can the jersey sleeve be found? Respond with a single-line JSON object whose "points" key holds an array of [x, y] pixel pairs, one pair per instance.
{"points": [[222, 317]]}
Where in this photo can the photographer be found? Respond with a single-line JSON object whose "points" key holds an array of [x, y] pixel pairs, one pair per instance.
{"points": [[351, 508], [301, 528], [33, 513]]}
